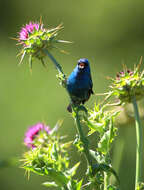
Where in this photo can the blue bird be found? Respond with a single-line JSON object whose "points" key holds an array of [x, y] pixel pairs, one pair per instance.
{"points": [[79, 83]]}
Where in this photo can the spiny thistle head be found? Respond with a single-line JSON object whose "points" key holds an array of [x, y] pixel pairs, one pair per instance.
{"points": [[52, 161], [128, 84], [36, 41], [50, 154]]}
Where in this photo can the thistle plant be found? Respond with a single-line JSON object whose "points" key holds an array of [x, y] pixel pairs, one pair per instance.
{"points": [[37, 42], [101, 121], [48, 154], [128, 87]]}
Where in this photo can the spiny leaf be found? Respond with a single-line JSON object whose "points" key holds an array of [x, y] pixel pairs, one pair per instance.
{"points": [[74, 185], [59, 177], [79, 184], [103, 145], [67, 145], [35, 170], [72, 171]]}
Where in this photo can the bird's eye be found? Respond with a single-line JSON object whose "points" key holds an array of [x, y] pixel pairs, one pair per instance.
{"points": [[81, 65]]}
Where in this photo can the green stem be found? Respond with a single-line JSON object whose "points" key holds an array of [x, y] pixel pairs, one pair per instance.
{"points": [[106, 178], [83, 140], [138, 145], [58, 67], [61, 75]]}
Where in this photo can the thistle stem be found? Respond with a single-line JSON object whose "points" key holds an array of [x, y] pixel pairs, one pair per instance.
{"points": [[83, 140], [57, 65], [138, 144], [106, 178], [77, 118]]}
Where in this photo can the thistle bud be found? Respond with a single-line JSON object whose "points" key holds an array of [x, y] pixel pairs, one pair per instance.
{"points": [[128, 84]]}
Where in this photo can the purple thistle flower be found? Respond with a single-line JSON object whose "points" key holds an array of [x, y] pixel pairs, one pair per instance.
{"points": [[123, 73], [38, 41], [33, 132], [28, 29]]}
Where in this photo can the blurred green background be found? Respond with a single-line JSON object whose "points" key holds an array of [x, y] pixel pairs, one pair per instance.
{"points": [[107, 32]]}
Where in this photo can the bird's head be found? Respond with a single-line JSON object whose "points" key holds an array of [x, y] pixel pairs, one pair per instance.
{"points": [[83, 64]]}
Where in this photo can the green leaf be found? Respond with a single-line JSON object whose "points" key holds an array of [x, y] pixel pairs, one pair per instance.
{"points": [[74, 185], [59, 177], [35, 170], [103, 144], [111, 187], [50, 184], [94, 126], [79, 184], [72, 171], [67, 144], [54, 153]]}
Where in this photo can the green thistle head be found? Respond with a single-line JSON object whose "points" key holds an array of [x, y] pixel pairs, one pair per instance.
{"points": [[36, 40], [128, 84], [49, 157]]}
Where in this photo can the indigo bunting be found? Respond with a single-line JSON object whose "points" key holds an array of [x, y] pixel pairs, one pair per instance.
{"points": [[79, 83]]}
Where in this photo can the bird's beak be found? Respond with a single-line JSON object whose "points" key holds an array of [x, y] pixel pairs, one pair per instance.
{"points": [[81, 65]]}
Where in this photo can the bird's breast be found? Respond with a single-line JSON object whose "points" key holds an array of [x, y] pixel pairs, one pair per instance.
{"points": [[78, 85]]}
